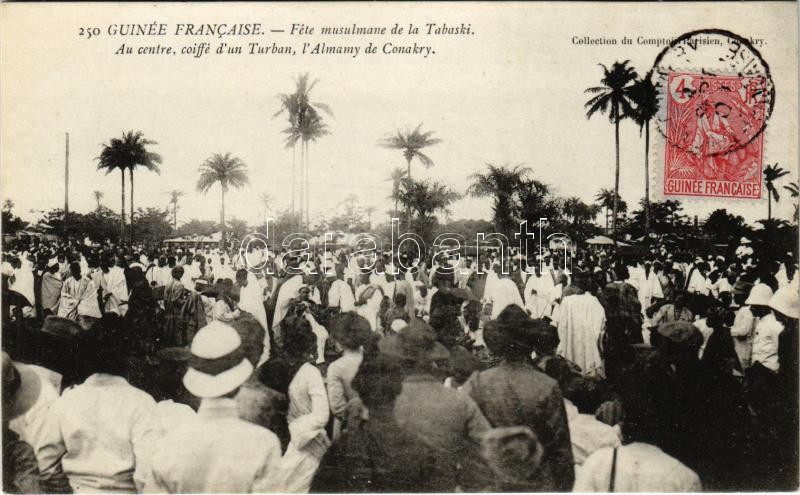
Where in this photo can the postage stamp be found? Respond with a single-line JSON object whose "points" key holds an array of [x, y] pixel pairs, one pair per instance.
{"points": [[715, 96], [714, 144]]}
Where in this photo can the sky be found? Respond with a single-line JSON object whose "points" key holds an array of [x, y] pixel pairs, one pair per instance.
{"points": [[511, 93]]}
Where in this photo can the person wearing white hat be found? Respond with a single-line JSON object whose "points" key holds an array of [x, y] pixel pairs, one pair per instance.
{"points": [[218, 452], [744, 248], [768, 328]]}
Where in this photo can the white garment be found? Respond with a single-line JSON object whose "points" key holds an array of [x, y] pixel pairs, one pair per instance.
{"points": [[538, 289], [31, 426], [101, 432], [251, 299], [504, 293], [698, 283], [79, 298], [765, 342], [340, 295], [116, 285], [23, 282], [587, 434], [706, 331], [581, 321], [640, 468], [307, 416], [649, 289], [216, 453], [742, 331], [286, 292]]}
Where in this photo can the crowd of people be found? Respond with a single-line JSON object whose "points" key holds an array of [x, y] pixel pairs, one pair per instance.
{"points": [[196, 370]]}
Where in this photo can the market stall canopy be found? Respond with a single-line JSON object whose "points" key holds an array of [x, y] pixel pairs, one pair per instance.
{"points": [[191, 239], [600, 240]]}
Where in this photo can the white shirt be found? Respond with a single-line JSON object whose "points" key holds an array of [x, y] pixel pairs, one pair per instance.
{"points": [[765, 342], [101, 431], [641, 467], [216, 453], [341, 295], [504, 293]]}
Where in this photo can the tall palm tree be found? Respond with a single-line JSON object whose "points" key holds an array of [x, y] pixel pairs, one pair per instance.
{"points": [[794, 192], [174, 196], [123, 154], [613, 97], [265, 199], [305, 125], [98, 196], [396, 177], [226, 170], [8, 205], [645, 98], [771, 174], [369, 210], [605, 199], [501, 183], [411, 143]]}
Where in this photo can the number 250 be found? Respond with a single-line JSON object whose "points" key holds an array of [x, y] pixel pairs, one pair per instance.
{"points": [[89, 32]]}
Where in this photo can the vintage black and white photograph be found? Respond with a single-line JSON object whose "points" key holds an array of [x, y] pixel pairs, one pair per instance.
{"points": [[399, 247]]}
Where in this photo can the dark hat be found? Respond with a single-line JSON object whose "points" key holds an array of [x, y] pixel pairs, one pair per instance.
{"points": [[21, 388], [512, 333], [681, 332], [61, 327], [416, 342], [462, 294], [351, 330]]}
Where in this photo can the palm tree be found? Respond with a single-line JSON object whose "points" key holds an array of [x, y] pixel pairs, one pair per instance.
{"points": [[502, 183], [613, 97], [174, 196], [98, 196], [795, 192], [8, 205], [771, 174], [426, 198], [645, 97], [266, 201], [369, 210], [411, 143], [396, 177], [605, 199], [123, 154], [305, 124], [226, 170]]}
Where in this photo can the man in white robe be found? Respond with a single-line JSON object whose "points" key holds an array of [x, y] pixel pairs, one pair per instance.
{"points": [[115, 293], [251, 299], [581, 322], [538, 289], [504, 293], [286, 292]]}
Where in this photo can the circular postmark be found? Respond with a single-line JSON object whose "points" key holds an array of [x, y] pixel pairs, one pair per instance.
{"points": [[715, 93]]}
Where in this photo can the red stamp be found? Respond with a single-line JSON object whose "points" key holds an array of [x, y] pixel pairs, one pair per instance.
{"points": [[714, 127]]}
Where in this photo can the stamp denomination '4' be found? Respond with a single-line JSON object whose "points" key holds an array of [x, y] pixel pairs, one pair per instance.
{"points": [[714, 143]]}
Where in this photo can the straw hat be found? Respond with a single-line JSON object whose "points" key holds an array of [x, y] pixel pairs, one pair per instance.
{"points": [[513, 452], [415, 342], [760, 295], [218, 365], [787, 302], [21, 388]]}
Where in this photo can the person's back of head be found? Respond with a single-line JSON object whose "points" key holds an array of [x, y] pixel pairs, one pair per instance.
{"points": [[379, 381]]}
